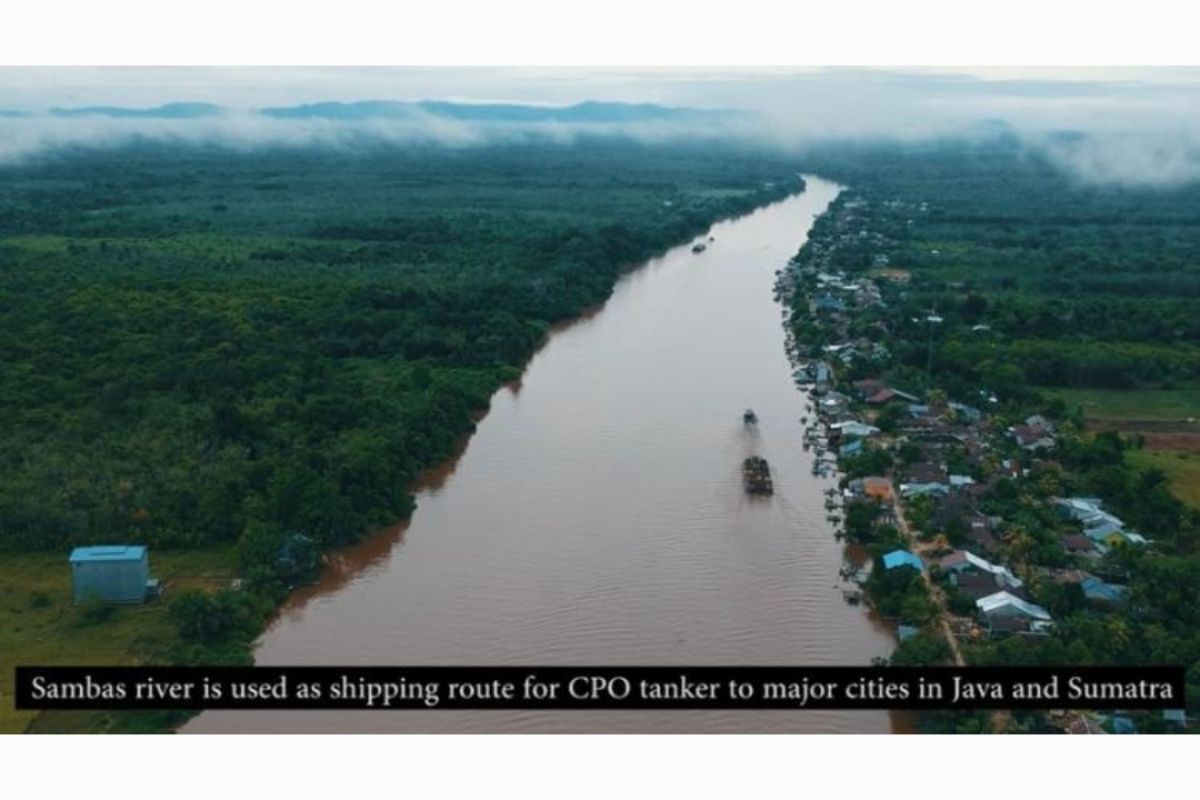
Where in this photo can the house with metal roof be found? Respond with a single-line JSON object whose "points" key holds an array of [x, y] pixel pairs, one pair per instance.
{"points": [[966, 412], [1103, 528], [828, 302], [917, 489], [878, 488], [1175, 716], [1122, 724], [1078, 508], [1098, 591], [852, 448], [902, 558], [112, 573], [1006, 604], [855, 428], [963, 561]]}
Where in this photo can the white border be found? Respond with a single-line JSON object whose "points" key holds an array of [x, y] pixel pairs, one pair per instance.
{"points": [[532, 32], [588, 32], [582, 767]]}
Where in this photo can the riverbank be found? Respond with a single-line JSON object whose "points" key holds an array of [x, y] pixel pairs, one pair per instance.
{"points": [[990, 512], [455, 395], [598, 515]]}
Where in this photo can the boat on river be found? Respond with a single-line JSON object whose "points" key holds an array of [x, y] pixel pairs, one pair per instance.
{"points": [[756, 474], [700, 247], [749, 417]]}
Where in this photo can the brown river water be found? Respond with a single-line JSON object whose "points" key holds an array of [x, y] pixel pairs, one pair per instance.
{"points": [[597, 516]]}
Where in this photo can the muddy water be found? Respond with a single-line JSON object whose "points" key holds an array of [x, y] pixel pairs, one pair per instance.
{"points": [[597, 516]]}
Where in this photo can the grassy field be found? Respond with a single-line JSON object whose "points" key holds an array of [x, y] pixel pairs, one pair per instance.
{"points": [[1133, 404], [39, 625], [1183, 468]]}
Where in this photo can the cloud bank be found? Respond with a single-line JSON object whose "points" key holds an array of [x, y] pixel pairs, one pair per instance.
{"points": [[1139, 130]]}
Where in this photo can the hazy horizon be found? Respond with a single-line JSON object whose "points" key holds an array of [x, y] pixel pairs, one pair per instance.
{"points": [[1141, 125]]}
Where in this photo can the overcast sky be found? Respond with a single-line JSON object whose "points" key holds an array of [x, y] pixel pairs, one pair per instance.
{"points": [[39, 87]]}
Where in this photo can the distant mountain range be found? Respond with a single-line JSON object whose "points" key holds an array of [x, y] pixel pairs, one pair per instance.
{"points": [[587, 113], [168, 111]]}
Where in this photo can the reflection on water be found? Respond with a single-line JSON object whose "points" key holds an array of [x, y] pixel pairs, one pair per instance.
{"points": [[597, 516]]}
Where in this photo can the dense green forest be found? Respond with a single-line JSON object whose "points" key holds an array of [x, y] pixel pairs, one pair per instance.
{"points": [[206, 346]]}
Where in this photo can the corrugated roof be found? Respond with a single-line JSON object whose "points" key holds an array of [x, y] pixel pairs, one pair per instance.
{"points": [[122, 552], [902, 558], [1096, 589], [998, 600]]}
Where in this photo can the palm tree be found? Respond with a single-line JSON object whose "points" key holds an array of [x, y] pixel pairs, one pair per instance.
{"points": [[1020, 545]]}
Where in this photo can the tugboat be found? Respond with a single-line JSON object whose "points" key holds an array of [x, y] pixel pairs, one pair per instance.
{"points": [[749, 417], [757, 476]]}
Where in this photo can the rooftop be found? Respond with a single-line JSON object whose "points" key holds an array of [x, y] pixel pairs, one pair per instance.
{"points": [[122, 552], [994, 602], [902, 558]]}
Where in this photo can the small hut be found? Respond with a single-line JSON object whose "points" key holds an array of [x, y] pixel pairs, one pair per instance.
{"points": [[113, 573]]}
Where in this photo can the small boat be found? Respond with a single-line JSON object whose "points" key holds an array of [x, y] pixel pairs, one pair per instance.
{"points": [[749, 417], [699, 248]]}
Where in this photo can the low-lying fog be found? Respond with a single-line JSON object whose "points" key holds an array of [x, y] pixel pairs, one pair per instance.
{"points": [[1127, 127]]}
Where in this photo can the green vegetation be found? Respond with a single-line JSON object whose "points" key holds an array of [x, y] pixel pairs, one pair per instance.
{"points": [[1133, 404], [40, 625], [1181, 468], [901, 594], [1079, 287], [245, 351], [999, 283]]}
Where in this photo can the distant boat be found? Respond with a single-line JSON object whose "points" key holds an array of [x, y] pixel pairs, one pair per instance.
{"points": [[699, 248], [749, 417]]}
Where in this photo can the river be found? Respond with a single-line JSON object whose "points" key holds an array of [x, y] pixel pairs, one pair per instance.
{"points": [[597, 516]]}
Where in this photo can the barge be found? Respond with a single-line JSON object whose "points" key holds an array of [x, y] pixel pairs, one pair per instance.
{"points": [[756, 474]]}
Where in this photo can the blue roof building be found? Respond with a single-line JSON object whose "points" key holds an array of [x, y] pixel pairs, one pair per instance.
{"points": [[113, 573], [1123, 724], [1176, 716], [969, 413], [1098, 591], [852, 448], [828, 302], [902, 558]]}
